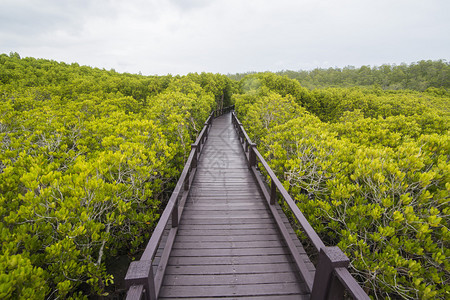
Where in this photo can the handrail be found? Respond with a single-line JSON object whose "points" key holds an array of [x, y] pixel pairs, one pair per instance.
{"points": [[347, 280], [275, 183], [332, 276], [140, 280]]}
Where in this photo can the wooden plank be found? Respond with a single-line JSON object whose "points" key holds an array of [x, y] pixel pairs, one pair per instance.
{"points": [[229, 226], [221, 238], [220, 178], [225, 260], [227, 222], [237, 198], [215, 216], [218, 188], [209, 187], [222, 161], [229, 245], [233, 290], [233, 232], [242, 169], [220, 191], [225, 245], [231, 269], [207, 168], [229, 252], [227, 217], [224, 199], [224, 206], [215, 165], [270, 297], [229, 174], [227, 213], [235, 279], [214, 198]]}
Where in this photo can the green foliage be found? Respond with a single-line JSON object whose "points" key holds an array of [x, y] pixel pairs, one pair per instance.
{"points": [[375, 167], [264, 110], [88, 157], [87, 160]]}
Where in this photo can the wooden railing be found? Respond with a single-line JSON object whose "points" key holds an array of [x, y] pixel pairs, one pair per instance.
{"points": [[332, 277], [140, 280]]}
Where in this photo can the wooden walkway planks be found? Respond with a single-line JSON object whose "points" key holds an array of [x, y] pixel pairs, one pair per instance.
{"points": [[228, 244]]}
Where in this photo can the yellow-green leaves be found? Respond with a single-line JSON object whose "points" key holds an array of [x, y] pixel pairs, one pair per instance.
{"points": [[86, 159], [19, 279], [373, 179]]}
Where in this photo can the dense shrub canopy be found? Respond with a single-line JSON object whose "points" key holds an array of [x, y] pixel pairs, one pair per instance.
{"points": [[370, 170], [87, 159]]}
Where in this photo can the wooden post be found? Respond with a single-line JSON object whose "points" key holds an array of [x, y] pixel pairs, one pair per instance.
{"points": [[325, 285], [241, 133], [195, 158], [208, 126], [251, 155], [175, 214], [186, 180], [273, 192], [141, 273]]}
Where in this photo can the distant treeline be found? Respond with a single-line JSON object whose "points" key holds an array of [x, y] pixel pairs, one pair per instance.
{"points": [[415, 76]]}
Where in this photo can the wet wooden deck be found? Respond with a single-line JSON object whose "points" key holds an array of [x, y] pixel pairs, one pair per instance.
{"points": [[228, 244]]}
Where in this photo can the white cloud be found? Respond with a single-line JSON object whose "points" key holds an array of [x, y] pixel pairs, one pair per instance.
{"points": [[181, 36]]}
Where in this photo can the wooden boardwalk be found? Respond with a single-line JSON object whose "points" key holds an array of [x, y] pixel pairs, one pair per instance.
{"points": [[228, 244], [223, 234]]}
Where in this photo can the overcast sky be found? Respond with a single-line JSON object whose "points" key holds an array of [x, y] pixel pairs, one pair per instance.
{"points": [[226, 36]]}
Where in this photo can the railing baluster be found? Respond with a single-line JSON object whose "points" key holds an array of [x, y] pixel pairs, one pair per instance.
{"points": [[186, 180], [251, 155], [175, 214], [241, 135], [195, 158], [207, 126], [273, 192]]}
